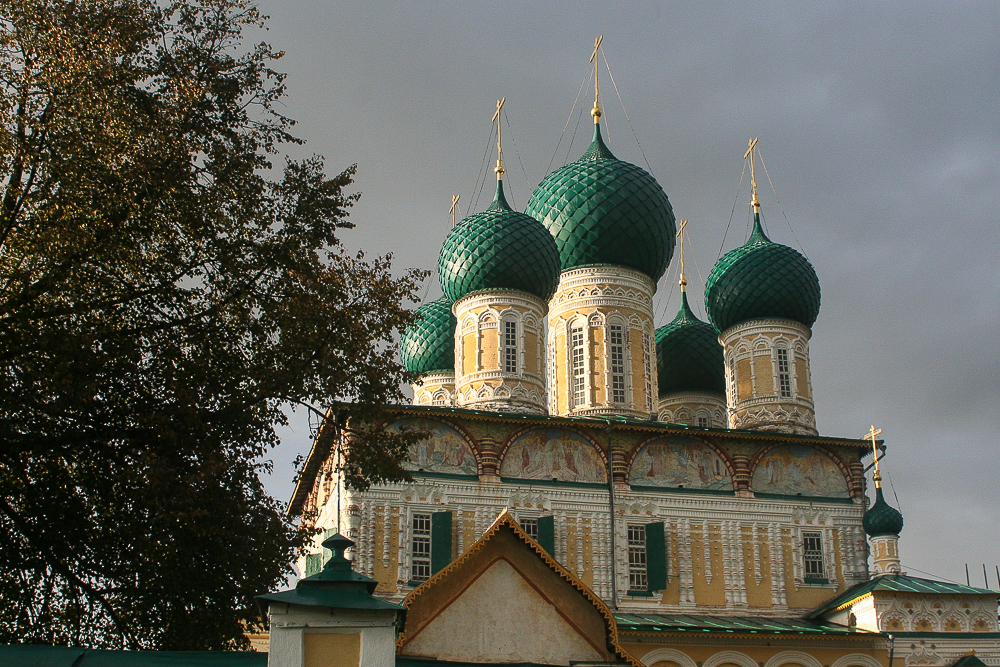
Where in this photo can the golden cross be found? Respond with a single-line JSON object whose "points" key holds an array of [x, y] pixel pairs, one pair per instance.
{"points": [[680, 235], [496, 117], [872, 432], [753, 175], [454, 208], [596, 111]]}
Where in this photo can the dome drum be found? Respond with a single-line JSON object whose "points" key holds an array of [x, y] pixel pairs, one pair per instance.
{"points": [[768, 383]]}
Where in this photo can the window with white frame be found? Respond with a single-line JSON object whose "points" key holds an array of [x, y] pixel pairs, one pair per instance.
{"points": [[784, 373], [510, 346], [647, 368], [702, 421], [420, 552], [812, 555], [616, 349], [733, 394], [530, 526], [638, 572], [577, 366]]}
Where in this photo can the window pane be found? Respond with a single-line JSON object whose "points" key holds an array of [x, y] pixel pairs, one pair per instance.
{"points": [[637, 566], [420, 559]]}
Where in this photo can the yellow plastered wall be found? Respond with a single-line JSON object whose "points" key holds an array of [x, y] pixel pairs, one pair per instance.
{"points": [[672, 593], [758, 595], [532, 361], [468, 529], [386, 518], [805, 597], [588, 553], [802, 377], [571, 547], [763, 377], [488, 350], [744, 380], [707, 593], [469, 353], [331, 649]]}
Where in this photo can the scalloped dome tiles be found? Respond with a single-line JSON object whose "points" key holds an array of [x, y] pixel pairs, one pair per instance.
{"points": [[428, 345], [498, 249], [602, 210], [881, 518], [688, 355], [762, 279]]}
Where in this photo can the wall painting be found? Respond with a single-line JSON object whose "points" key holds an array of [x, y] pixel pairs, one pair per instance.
{"points": [[673, 462], [445, 451], [798, 469], [553, 454]]}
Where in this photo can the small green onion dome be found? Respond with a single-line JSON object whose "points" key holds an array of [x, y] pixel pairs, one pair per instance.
{"points": [[762, 279], [882, 519], [428, 345], [602, 210], [499, 249], [688, 355]]}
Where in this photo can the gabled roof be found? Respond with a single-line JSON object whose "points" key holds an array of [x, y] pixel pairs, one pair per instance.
{"points": [[495, 545], [969, 661], [897, 583]]}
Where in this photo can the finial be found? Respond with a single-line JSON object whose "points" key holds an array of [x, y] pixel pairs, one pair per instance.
{"points": [[680, 235], [453, 211], [753, 175], [596, 111], [499, 170], [872, 432]]}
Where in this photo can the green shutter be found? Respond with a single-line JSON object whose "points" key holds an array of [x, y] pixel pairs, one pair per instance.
{"points": [[547, 534], [327, 554], [313, 564], [656, 557], [440, 541]]}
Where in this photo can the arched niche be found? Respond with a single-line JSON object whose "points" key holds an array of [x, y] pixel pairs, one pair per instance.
{"points": [[446, 450], [799, 470], [677, 461], [553, 454]]}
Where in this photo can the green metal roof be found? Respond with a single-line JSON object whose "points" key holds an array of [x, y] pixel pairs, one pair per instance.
{"points": [[27, 655], [498, 249], [969, 661], [602, 210], [336, 586], [898, 583], [731, 625], [688, 355], [428, 345], [762, 279], [881, 518]]}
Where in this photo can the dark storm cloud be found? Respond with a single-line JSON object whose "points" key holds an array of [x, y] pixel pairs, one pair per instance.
{"points": [[878, 125]]}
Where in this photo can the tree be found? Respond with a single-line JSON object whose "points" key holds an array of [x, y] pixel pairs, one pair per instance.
{"points": [[164, 296]]}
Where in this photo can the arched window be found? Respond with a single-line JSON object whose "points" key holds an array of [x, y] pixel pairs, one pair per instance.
{"points": [[578, 378], [784, 372], [508, 345], [616, 361], [647, 368]]}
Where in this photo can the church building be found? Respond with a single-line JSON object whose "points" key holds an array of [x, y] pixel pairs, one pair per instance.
{"points": [[596, 490]]}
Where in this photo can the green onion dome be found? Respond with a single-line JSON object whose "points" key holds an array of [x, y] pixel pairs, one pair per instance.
{"points": [[881, 518], [688, 355], [499, 249], [762, 279], [428, 345], [602, 210]]}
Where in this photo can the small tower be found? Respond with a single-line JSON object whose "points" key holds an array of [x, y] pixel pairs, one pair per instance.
{"points": [[882, 523], [690, 366], [614, 229], [499, 268], [427, 349], [764, 298]]}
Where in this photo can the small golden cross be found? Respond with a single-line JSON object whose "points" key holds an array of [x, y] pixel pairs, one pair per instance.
{"points": [[872, 432], [680, 235], [496, 117], [596, 111], [753, 174], [454, 208]]}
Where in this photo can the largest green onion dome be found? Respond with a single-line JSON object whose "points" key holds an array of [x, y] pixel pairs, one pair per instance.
{"points": [[428, 345], [762, 279], [881, 518], [602, 210], [499, 249], [688, 355]]}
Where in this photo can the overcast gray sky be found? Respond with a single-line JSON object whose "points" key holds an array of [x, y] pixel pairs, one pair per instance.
{"points": [[879, 127]]}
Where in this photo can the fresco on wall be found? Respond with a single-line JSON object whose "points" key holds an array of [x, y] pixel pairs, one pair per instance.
{"points": [[553, 453], [445, 451], [797, 469], [673, 462]]}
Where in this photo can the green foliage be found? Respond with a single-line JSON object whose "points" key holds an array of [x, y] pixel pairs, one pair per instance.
{"points": [[164, 296]]}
